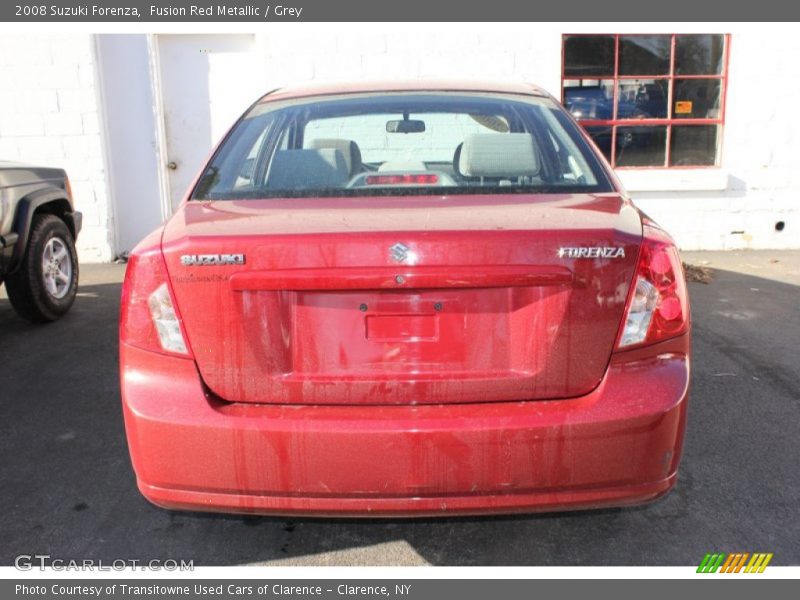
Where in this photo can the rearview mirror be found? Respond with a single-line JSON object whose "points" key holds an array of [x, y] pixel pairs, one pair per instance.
{"points": [[405, 126]]}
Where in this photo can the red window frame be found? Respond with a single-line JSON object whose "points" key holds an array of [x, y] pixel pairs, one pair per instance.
{"points": [[669, 121]]}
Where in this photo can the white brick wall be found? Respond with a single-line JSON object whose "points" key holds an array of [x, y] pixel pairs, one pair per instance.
{"points": [[49, 115], [443, 51]]}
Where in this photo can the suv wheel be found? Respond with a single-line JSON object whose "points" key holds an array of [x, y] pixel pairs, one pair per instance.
{"points": [[44, 286]]}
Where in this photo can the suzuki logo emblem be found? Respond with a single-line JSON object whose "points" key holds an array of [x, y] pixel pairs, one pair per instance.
{"points": [[400, 252]]}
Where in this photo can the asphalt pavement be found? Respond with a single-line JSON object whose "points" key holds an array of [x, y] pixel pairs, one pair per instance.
{"points": [[67, 488]]}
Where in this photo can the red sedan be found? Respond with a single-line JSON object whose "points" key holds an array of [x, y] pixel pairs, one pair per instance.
{"points": [[405, 300]]}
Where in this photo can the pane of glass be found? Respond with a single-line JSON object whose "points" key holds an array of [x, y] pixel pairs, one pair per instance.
{"points": [[352, 145], [641, 146], [643, 99], [601, 137], [696, 99], [644, 54], [589, 98], [699, 54], [589, 55], [244, 179], [693, 145]]}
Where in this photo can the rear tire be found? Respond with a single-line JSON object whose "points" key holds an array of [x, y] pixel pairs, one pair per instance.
{"points": [[44, 286]]}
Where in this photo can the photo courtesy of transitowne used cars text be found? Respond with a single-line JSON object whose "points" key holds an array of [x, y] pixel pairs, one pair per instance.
{"points": [[405, 299]]}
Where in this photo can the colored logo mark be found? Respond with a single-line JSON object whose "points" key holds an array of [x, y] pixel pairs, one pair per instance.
{"points": [[735, 563]]}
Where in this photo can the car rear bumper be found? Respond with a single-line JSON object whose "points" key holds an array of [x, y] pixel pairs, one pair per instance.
{"points": [[618, 445]]}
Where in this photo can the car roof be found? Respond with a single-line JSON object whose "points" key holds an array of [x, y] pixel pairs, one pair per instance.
{"points": [[364, 87]]}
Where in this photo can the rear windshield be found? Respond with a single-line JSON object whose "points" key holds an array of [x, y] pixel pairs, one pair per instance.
{"points": [[394, 144]]}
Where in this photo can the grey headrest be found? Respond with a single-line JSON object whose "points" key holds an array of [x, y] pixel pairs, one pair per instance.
{"points": [[499, 155], [349, 149], [304, 169]]}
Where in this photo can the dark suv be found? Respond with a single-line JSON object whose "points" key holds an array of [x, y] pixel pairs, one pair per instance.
{"points": [[38, 228]]}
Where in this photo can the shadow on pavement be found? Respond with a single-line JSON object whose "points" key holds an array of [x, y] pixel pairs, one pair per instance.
{"points": [[67, 489]]}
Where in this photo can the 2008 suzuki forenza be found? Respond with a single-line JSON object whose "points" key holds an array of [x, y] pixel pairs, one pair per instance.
{"points": [[410, 300]]}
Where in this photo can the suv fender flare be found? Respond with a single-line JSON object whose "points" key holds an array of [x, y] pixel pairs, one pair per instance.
{"points": [[28, 206]]}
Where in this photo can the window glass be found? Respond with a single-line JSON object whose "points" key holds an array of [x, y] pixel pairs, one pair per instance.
{"points": [[602, 137], [244, 179], [693, 145], [699, 54], [591, 99], [641, 146], [443, 132], [400, 144], [642, 99], [615, 85], [589, 55], [696, 99], [644, 54]]}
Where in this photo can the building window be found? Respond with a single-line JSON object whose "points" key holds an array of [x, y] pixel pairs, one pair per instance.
{"points": [[649, 100]]}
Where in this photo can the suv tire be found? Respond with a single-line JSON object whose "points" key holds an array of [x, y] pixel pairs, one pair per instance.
{"points": [[44, 286]]}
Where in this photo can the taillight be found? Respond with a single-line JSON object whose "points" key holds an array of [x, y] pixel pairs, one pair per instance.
{"points": [[658, 305], [149, 317]]}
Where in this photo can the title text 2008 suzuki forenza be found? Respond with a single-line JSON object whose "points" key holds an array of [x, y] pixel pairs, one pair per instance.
{"points": [[405, 299]]}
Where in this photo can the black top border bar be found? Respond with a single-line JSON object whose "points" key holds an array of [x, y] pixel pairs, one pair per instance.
{"points": [[259, 11]]}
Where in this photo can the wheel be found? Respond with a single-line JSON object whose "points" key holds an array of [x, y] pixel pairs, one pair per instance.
{"points": [[44, 286]]}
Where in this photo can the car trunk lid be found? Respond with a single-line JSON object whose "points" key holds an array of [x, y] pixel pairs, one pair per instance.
{"points": [[402, 300]]}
